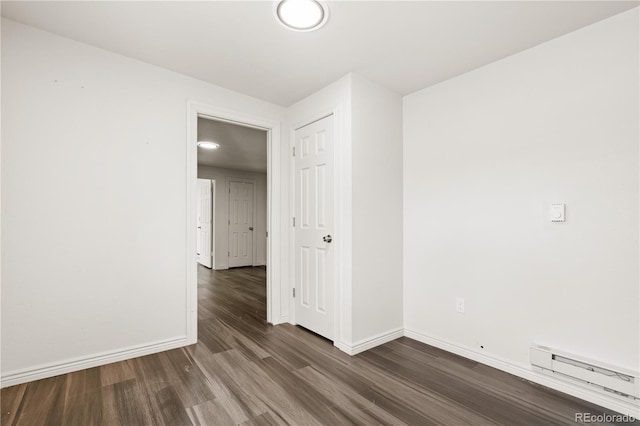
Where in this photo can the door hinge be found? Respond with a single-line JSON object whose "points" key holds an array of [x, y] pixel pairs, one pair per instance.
{"points": [[267, 234], [294, 151], [294, 222], [229, 221], [294, 292], [228, 254]]}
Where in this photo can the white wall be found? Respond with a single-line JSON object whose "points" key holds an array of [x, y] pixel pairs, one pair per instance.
{"points": [[221, 213], [377, 209], [93, 200], [485, 154]]}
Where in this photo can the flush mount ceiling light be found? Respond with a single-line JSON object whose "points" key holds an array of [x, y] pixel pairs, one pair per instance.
{"points": [[208, 145], [302, 15]]}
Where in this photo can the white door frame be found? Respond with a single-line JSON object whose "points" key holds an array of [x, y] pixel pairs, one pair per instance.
{"points": [[254, 214], [213, 223], [195, 110]]}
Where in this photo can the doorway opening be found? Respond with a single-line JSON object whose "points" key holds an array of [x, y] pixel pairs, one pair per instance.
{"points": [[233, 211], [232, 195]]}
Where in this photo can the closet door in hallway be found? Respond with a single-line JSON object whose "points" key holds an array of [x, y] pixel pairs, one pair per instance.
{"points": [[240, 224]]}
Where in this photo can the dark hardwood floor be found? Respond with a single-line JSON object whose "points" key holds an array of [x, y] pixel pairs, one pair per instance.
{"points": [[244, 371]]}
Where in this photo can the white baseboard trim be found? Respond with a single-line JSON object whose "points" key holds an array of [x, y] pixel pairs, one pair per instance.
{"points": [[283, 320], [371, 342], [344, 347], [574, 389], [69, 366]]}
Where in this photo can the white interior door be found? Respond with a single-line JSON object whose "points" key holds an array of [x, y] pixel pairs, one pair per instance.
{"points": [[205, 228], [314, 226], [240, 224]]}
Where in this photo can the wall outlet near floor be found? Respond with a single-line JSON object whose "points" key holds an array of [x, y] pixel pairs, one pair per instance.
{"points": [[460, 305]]}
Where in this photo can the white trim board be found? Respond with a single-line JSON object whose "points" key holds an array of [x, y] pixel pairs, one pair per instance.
{"points": [[574, 389], [371, 342], [77, 364]]}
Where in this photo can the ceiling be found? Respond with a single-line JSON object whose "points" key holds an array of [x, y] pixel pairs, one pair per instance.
{"points": [[405, 46], [241, 148]]}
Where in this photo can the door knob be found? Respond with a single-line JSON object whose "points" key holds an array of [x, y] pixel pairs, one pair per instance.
{"points": [[251, 228], [327, 238], [199, 227]]}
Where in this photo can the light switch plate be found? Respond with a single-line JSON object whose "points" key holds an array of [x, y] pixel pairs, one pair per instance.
{"points": [[557, 212]]}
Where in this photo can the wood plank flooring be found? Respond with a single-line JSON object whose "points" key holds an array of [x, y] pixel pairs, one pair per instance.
{"points": [[246, 372]]}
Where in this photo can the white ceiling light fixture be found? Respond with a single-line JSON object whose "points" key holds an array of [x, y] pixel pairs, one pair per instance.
{"points": [[302, 15], [208, 145]]}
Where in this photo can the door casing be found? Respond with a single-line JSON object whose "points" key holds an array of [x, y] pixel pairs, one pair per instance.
{"points": [[274, 211]]}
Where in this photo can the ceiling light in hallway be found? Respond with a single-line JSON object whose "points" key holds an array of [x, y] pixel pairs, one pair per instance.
{"points": [[208, 145]]}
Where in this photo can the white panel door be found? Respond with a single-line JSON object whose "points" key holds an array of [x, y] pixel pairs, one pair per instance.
{"points": [[205, 208], [314, 226], [240, 224]]}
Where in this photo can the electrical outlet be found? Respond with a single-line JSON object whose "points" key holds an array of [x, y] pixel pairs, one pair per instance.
{"points": [[460, 305]]}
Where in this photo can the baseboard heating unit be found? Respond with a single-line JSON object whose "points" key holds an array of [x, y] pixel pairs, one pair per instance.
{"points": [[621, 382]]}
